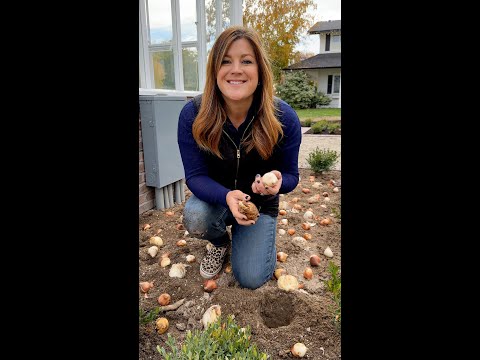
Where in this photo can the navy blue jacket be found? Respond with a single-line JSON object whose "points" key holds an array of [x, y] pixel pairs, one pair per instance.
{"points": [[211, 178]]}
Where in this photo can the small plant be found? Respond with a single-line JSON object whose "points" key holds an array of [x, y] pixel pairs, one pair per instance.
{"points": [[334, 285], [306, 122], [337, 213], [144, 317], [221, 340], [322, 160]]}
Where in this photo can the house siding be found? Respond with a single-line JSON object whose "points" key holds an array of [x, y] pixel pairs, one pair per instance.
{"points": [[146, 193], [320, 78], [334, 47]]}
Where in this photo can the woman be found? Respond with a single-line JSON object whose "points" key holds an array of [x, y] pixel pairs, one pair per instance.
{"points": [[228, 140]]}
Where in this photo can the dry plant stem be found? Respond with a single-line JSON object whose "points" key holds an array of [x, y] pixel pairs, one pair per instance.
{"points": [[173, 306]]}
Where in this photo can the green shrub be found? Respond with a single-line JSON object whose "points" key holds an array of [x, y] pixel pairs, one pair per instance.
{"points": [[320, 99], [325, 125], [322, 160], [221, 340], [299, 91], [306, 122]]}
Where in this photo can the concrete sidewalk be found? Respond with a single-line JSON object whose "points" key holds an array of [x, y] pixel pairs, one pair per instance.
{"points": [[311, 141]]}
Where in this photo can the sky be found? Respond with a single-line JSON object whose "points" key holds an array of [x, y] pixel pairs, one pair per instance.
{"points": [[326, 10], [161, 23]]}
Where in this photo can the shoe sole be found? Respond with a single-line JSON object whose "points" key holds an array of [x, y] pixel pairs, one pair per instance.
{"points": [[209, 276]]}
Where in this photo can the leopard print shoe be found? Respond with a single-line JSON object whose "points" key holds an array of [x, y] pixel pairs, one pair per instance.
{"points": [[212, 263]]}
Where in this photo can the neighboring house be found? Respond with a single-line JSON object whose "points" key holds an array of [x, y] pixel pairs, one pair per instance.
{"points": [[325, 68]]}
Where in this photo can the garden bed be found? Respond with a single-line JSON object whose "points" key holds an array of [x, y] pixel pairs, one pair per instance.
{"points": [[278, 319]]}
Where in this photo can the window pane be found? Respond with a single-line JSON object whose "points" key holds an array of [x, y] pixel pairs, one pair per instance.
{"points": [[226, 14], [190, 68], [188, 17], [336, 84], [160, 21], [336, 38], [210, 21], [163, 69]]}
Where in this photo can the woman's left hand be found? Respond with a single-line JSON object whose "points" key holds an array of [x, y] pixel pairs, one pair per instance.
{"points": [[259, 188]]}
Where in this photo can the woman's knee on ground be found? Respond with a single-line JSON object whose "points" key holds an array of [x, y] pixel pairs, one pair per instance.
{"points": [[251, 279], [200, 222]]}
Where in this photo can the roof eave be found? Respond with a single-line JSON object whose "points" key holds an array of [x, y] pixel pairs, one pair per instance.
{"points": [[313, 68]]}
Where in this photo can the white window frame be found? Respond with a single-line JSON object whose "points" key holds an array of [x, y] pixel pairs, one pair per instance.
{"points": [[333, 84], [145, 47]]}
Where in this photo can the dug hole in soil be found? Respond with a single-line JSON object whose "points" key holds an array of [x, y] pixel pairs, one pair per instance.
{"points": [[278, 319]]}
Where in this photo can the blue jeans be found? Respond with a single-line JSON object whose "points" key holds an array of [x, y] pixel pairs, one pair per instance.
{"points": [[254, 252]]}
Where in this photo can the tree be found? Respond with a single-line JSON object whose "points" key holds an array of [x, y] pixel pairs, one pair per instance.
{"points": [[280, 23], [300, 56]]}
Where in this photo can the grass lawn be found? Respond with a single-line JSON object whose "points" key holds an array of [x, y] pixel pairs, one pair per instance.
{"points": [[315, 113]]}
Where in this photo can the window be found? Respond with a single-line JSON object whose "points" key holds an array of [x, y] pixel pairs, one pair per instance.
{"points": [[174, 38], [335, 81], [336, 39], [336, 84], [172, 28], [327, 42]]}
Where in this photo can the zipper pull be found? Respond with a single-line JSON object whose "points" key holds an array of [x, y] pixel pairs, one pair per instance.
{"points": [[238, 153]]}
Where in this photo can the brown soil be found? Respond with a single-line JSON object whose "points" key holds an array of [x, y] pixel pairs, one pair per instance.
{"points": [[278, 319]]}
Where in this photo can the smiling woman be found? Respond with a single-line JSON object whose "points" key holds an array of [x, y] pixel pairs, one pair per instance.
{"points": [[238, 133]]}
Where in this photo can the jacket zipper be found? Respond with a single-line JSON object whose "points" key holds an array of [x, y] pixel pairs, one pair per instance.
{"points": [[239, 147]]}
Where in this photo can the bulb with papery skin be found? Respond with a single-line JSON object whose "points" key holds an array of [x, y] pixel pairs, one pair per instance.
{"points": [[287, 282], [164, 299], [328, 252], [165, 262], [156, 240], [162, 325], [209, 285], [269, 179], [248, 209], [145, 286], [152, 251], [299, 350], [279, 272], [281, 256], [315, 260], [308, 273], [211, 315]]}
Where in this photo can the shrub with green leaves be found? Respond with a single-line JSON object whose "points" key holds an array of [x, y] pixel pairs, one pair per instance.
{"points": [[325, 125], [299, 91], [322, 160], [220, 341], [306, 122]]}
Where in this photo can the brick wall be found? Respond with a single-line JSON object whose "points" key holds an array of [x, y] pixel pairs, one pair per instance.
{"points": [[146, 193]]}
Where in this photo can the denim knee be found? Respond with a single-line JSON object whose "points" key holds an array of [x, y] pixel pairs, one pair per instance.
{"points": [[204, 220], [252, 280], [253, 252]]}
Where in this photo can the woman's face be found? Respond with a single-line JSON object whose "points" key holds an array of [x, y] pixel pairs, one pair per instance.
{"points": [[238, 74]]}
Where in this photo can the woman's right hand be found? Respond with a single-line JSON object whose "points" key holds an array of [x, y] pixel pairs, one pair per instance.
{"points": [[232, 198]]}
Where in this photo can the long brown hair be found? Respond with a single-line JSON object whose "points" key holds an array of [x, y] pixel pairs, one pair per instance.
{"points": [[208, 125]]}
